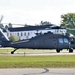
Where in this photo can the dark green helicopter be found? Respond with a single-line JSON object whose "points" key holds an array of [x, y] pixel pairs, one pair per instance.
{"points": [[41, 41]]}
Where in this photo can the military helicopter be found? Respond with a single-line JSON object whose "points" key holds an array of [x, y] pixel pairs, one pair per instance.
{"points": [[41, 41]]}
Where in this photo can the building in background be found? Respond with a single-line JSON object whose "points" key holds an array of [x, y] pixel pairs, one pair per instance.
{"points": [[31, 31]]}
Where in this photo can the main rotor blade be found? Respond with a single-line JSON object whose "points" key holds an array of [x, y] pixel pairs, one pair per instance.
{"points": [[14, 24], [1, 18]]}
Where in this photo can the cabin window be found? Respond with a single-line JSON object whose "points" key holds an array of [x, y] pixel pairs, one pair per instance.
{"points": [[28, 33], [61, 40], [17, 34], [10, 34], [24, 34], [21, 34], [65, 40]]}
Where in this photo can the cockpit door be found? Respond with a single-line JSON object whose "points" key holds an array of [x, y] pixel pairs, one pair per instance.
{"points": [[54, 43], [63, 43]]}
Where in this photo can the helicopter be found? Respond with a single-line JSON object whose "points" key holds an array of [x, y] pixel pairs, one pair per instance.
{"points": [[47, 40], [41, 41]]}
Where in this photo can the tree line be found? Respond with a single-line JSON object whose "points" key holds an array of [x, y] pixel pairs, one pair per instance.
{"points": [[6, 26], [67, 21]]}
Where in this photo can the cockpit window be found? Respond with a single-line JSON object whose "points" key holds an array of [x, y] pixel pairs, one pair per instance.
{"points": [[61, 40], [66, 40]]}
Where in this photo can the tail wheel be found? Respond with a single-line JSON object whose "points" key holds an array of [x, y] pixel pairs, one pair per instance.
{"points": [[58, 50], [70, 50]]}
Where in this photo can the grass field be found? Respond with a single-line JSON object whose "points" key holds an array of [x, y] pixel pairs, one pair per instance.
{"points": [[27, 50], [57, 61]]}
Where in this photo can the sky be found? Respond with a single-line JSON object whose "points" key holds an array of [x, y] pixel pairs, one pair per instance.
{"points": [[31, 12]]}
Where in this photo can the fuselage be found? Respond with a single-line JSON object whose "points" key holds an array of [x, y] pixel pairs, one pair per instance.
{"points": [[44, 41]]}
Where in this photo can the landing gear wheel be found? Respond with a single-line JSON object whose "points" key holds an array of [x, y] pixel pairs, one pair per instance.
{"points": [[58, 50], [12, 52], [70, 50]]}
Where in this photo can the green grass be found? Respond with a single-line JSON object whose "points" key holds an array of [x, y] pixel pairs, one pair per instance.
{"points": [[57, 61], [6, 49], [28, 50], [25, 50]]}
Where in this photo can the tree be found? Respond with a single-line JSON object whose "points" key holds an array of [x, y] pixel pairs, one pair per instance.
{"points": [[14, 38], [26, 25], [10, 25], [68, 21], [44, 23], [6, 26], [1, 26]]}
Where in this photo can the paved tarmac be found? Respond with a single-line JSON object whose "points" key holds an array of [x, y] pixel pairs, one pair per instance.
{"points": [[35, 53], [38, 71]]}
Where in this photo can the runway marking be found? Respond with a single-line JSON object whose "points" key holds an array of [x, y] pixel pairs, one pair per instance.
{"points": [[46, 70]]}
